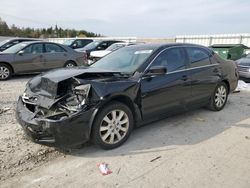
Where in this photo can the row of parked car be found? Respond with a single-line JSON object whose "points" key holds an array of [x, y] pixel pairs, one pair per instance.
{"points": [[21, 55], [25, 55], [127, 88]]}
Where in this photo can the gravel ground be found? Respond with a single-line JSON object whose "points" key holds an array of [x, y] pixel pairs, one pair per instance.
{"points": [[195, 149], [17, 154]]}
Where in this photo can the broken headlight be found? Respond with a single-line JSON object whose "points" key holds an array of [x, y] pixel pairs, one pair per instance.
{"points": [[77, 100], [82, 92]]}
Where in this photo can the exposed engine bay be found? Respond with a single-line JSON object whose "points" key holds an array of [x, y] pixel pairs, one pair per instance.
{"points": [[70, 99], [55, 97]]}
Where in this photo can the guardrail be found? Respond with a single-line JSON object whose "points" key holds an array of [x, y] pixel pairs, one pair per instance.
{"points": [[208, 40]]}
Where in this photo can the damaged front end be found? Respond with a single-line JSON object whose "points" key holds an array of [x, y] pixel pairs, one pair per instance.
{"points": [[59, 107], [56, 112]]}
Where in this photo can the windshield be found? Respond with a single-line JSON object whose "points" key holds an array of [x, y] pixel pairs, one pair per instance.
{"points": [[125, 60], [68, 42], [92, 45], [3, 42], [15, 48], [115, 46]]}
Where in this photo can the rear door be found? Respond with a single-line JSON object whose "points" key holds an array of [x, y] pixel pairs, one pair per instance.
{"points": [[166, 93], [204, 74], [55, 56], [31, 60]]}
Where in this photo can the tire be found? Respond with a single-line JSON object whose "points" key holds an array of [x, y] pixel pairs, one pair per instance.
{"points": [[5, 71], [70, 64], [108, 132], [219, 97]]}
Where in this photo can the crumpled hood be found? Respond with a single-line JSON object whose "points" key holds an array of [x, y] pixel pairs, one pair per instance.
{"points": [[58, 75], [51, 86]]}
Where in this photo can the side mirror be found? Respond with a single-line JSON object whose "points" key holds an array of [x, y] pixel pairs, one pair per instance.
{"points": [[21, 52], [100, 48], [74, 45], [156, 70]]}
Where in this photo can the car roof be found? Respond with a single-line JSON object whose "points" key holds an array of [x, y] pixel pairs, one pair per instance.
{"points": [[19, 38], [32, 42], [154, 46]]}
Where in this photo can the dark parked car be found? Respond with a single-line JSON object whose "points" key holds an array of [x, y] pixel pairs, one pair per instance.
{"points": [[11, 42], [77, 43], [127, 88], [28, 57], [244, 67], [97, 45]]}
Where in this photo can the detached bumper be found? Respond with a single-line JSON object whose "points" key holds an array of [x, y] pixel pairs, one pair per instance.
{"points": [[70, 131]]}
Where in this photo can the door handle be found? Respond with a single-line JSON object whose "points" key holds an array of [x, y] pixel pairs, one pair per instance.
{"points": [[216, 70], [184, 78]]}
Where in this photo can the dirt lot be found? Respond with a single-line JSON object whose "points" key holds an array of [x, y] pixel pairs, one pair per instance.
{"points": [[17, 154], [196, 149]]}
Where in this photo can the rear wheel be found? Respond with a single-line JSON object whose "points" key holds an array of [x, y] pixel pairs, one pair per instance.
{"points": [[112, 125], [70, 64], [219, 98], [5, 71]]}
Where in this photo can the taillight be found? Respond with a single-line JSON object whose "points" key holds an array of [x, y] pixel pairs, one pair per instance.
{"points": [[85, 56]]}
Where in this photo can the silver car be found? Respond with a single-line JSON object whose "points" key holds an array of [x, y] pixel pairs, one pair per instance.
{"points": [[243, 65], [39, 56]]}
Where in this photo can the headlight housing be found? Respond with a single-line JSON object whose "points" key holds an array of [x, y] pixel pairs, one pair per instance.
{"points": [[82, 92]]}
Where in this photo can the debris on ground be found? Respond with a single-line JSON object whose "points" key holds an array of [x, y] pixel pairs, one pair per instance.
{"points": [[2, 110], [17, 153], [103, 167], [246, 137], [118, 171], [200, 119], [242, 86], [156, 158]]}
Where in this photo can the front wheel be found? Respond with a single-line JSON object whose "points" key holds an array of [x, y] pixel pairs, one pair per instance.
{"points": [[219, 97], [5, 71], [112, 125], [70, 64]]}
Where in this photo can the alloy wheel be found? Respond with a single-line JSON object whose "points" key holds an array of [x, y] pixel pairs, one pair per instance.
{"points": [[114, 127], [70, 65], [220, 96], [4, 72]]}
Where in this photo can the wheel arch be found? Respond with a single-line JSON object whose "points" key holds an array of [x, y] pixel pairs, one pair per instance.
{"points": [[6, 63], [126, 100], [70, 61], [227, 84]]}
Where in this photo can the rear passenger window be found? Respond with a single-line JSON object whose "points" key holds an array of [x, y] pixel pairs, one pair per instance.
{"points": [[173, 59], [53, 48], [198, 57]]}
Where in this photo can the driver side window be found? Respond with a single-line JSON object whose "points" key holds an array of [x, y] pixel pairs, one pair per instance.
{"points": [[173, 59], [33, 49]]}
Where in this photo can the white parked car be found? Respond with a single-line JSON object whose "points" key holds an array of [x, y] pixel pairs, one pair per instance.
{"points": [[96, 55]]}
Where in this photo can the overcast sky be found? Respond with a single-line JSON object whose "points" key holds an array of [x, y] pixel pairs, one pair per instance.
{"points": [[141, 18]]}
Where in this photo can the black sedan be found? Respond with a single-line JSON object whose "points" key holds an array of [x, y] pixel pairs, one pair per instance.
{"points": [[129, 87], [30, 57]]}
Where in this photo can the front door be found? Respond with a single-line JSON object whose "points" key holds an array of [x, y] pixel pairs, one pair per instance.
{"points": [[30, 60], [170, 92]]}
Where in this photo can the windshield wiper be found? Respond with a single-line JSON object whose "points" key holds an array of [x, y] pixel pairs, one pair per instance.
{"points": [[122, 74]]}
